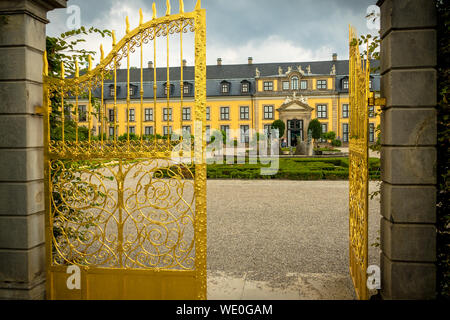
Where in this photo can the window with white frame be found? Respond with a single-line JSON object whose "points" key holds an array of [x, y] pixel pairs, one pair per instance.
{"points": [[268, 112], [225, 113], [345, 132], [321, 84], [322, 111], [244, 113], [294, 83], [345, 111], [167, 130], [245, 134], [186, 114], [371, 132], [132, 115], [167, 114], [303, 85], [148, 114], [148, 131], [268, 85]]}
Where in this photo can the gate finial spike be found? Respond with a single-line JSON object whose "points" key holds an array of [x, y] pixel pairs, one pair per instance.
{"points": [[77, 69], [114, 38], [181, 6], [168, 8], [90, 62], [62, 70], [102, 53], [45, 63], [127, 22], [198, 6], [154, 11], [141, 17]]}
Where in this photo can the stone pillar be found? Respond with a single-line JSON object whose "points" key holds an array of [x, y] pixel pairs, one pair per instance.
{"points": [[22, 44], [408, 154]]}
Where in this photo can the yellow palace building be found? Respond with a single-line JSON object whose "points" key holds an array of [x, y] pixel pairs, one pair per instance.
{"points": [[240, 98]]}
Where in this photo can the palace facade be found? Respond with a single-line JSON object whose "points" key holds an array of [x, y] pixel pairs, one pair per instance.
{"points": [[239, 98]]}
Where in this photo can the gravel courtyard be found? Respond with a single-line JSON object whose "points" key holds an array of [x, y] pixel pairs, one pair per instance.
{"points": [[281, 239]]}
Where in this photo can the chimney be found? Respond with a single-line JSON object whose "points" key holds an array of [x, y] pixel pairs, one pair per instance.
{"points": [[250, 60], [184, 63], [219, 61], [150, 64], [335, 56]]}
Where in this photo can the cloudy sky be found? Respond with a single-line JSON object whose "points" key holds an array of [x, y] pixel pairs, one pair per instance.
{"points": [[267, 30]]}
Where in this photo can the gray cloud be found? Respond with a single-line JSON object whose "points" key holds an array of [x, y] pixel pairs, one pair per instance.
{"points": [[307, 24]]}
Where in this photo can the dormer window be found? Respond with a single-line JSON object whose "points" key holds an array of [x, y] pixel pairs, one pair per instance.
{"points": [[345, 84], [111, 91], [245, 87], [133, 90], [171, 89], [225, 87], [294, 83], [187, 88]]}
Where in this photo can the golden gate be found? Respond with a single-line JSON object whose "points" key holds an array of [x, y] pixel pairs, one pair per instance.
{"points": [[359, 167], [125, 213]]}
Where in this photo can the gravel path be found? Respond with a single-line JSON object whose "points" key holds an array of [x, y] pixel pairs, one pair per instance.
{"points": [[268, 230]]}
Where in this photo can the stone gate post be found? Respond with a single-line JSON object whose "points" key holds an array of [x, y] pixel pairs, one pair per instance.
{"points": [[408, 156], [22, 44]]}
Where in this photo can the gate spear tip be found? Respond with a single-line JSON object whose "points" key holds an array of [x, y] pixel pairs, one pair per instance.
{"points": [[127, 22], [198, 6], [168, 8], [181, 6], [77, 69], [141, 17], [62, 70], [114, 38], [154, 10], [102, 53]]}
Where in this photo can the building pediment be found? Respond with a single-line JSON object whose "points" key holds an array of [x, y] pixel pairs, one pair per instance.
{"points": [[295, 106]]}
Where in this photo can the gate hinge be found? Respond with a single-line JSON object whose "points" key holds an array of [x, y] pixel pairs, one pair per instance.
{"points": [[377, 102], [40, 110]]}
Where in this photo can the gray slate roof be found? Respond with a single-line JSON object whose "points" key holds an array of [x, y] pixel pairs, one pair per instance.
{"points": [[234, 74]]}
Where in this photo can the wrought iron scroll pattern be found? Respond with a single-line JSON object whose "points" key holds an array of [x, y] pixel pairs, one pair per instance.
{"points": [[358, 163], [128, 204]]}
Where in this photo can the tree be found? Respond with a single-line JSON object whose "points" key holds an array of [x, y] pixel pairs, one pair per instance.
{"points": [[280, 126], [316, 129], [329, 136]]}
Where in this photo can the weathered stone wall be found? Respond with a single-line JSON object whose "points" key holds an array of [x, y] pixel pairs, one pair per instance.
{"points": [[408, 156], [22, 241]]}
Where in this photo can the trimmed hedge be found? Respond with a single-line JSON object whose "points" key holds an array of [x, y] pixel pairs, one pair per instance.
{"points": [[289, 169]]}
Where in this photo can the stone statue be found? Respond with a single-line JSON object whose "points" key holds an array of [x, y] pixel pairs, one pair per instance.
{"points": [[280, 71], [308, 69], [333, 70], [294, 96], [289, 70], [300, 70], [303, 99], [288, 99], [258, 73]]}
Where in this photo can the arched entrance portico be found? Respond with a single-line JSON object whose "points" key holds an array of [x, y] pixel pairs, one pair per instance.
{"points": [[296, 114]]}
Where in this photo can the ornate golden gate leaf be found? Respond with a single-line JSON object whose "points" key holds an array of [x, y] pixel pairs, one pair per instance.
{"points": [[126, 213], [359, 164]]}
